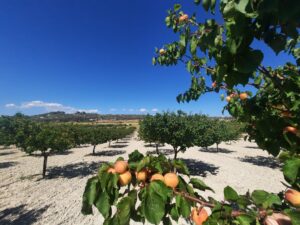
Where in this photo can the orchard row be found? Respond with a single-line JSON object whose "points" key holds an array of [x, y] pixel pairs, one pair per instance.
{"points": [[51, 138], [182, 131]]}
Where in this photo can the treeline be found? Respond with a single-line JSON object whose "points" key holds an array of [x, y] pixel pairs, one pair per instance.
{"points": [[182, 131], [51, 138], [81, 117]]}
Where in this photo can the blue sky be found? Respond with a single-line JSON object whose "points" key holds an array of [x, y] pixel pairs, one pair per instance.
{"points": [[93, 55]]}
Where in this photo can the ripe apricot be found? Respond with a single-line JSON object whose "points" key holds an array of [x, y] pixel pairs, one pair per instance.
{"points": [[171, 180], [157, 176], [125, 178], [228, 98], [293, 197], [121, 166], [214, 84], [162, 51], [111, 170], [142, 175], [183, 18], [243, 96], [199, 216], [290, 129]]}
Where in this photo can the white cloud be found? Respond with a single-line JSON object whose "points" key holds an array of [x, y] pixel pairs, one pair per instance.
{"points": [[131, 110], [112, 109], [10, 105], [143, 110], [50, 107], [154, 110]]}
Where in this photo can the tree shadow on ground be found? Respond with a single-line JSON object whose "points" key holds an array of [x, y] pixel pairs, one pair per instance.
{"points": [[153, 145], [261, 161], [81, 169], [6, 153], [161, 151], [215, 150], [200, 168], [107, 153], [4, 165], [253, 147], [19, 215], [117, 146], [122, 142], [37, 154], [82, 146]]}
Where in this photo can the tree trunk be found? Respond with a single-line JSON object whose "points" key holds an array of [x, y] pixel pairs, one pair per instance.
{"points": [[175, 153], [157, 152], [206, 148], [217, 147], [45, 164], [94, 149], [109, 143]]}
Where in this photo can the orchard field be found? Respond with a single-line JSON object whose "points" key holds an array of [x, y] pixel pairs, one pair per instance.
{"points": [[26, 198]]}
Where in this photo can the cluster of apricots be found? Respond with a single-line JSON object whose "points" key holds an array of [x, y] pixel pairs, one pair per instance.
{"points": [[121, 167], [198, 215], [242, 96]]}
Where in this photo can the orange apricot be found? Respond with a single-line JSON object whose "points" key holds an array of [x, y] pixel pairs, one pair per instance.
{"points": [[121, 166], [171, 180], [125, 178]]}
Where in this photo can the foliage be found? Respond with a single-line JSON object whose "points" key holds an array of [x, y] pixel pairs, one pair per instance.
{"points": [[182, 130], [155, 202], [266, 99], [51, 138], [224, 52]]}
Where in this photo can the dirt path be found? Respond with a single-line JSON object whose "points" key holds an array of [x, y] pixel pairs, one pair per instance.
{"points": [[26, 199]]}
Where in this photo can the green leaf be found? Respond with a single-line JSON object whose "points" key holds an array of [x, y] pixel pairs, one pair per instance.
{"points": [[124, 207], [248, 62], [259, 196], [89, 195], [103, 205], [183, 206], [153, 207], [199, 184], [206, 4], [183, 40], [167, 221], [230, 194], [135, 156], [291, 170], [193, 46], [245, 219], [177, 7], [213, 6], [180, 166], [174, 213], [158, 187], [271, 200], [144, 163]]}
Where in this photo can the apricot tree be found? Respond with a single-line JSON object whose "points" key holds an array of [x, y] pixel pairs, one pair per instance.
{"points": [[223, 51]]}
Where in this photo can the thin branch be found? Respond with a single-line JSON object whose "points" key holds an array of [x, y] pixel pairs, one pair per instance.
{"points": [[235, 213], [187, 196]]}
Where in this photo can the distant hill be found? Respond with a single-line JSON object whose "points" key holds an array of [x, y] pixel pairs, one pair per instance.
{"points": [[82, 117]]}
